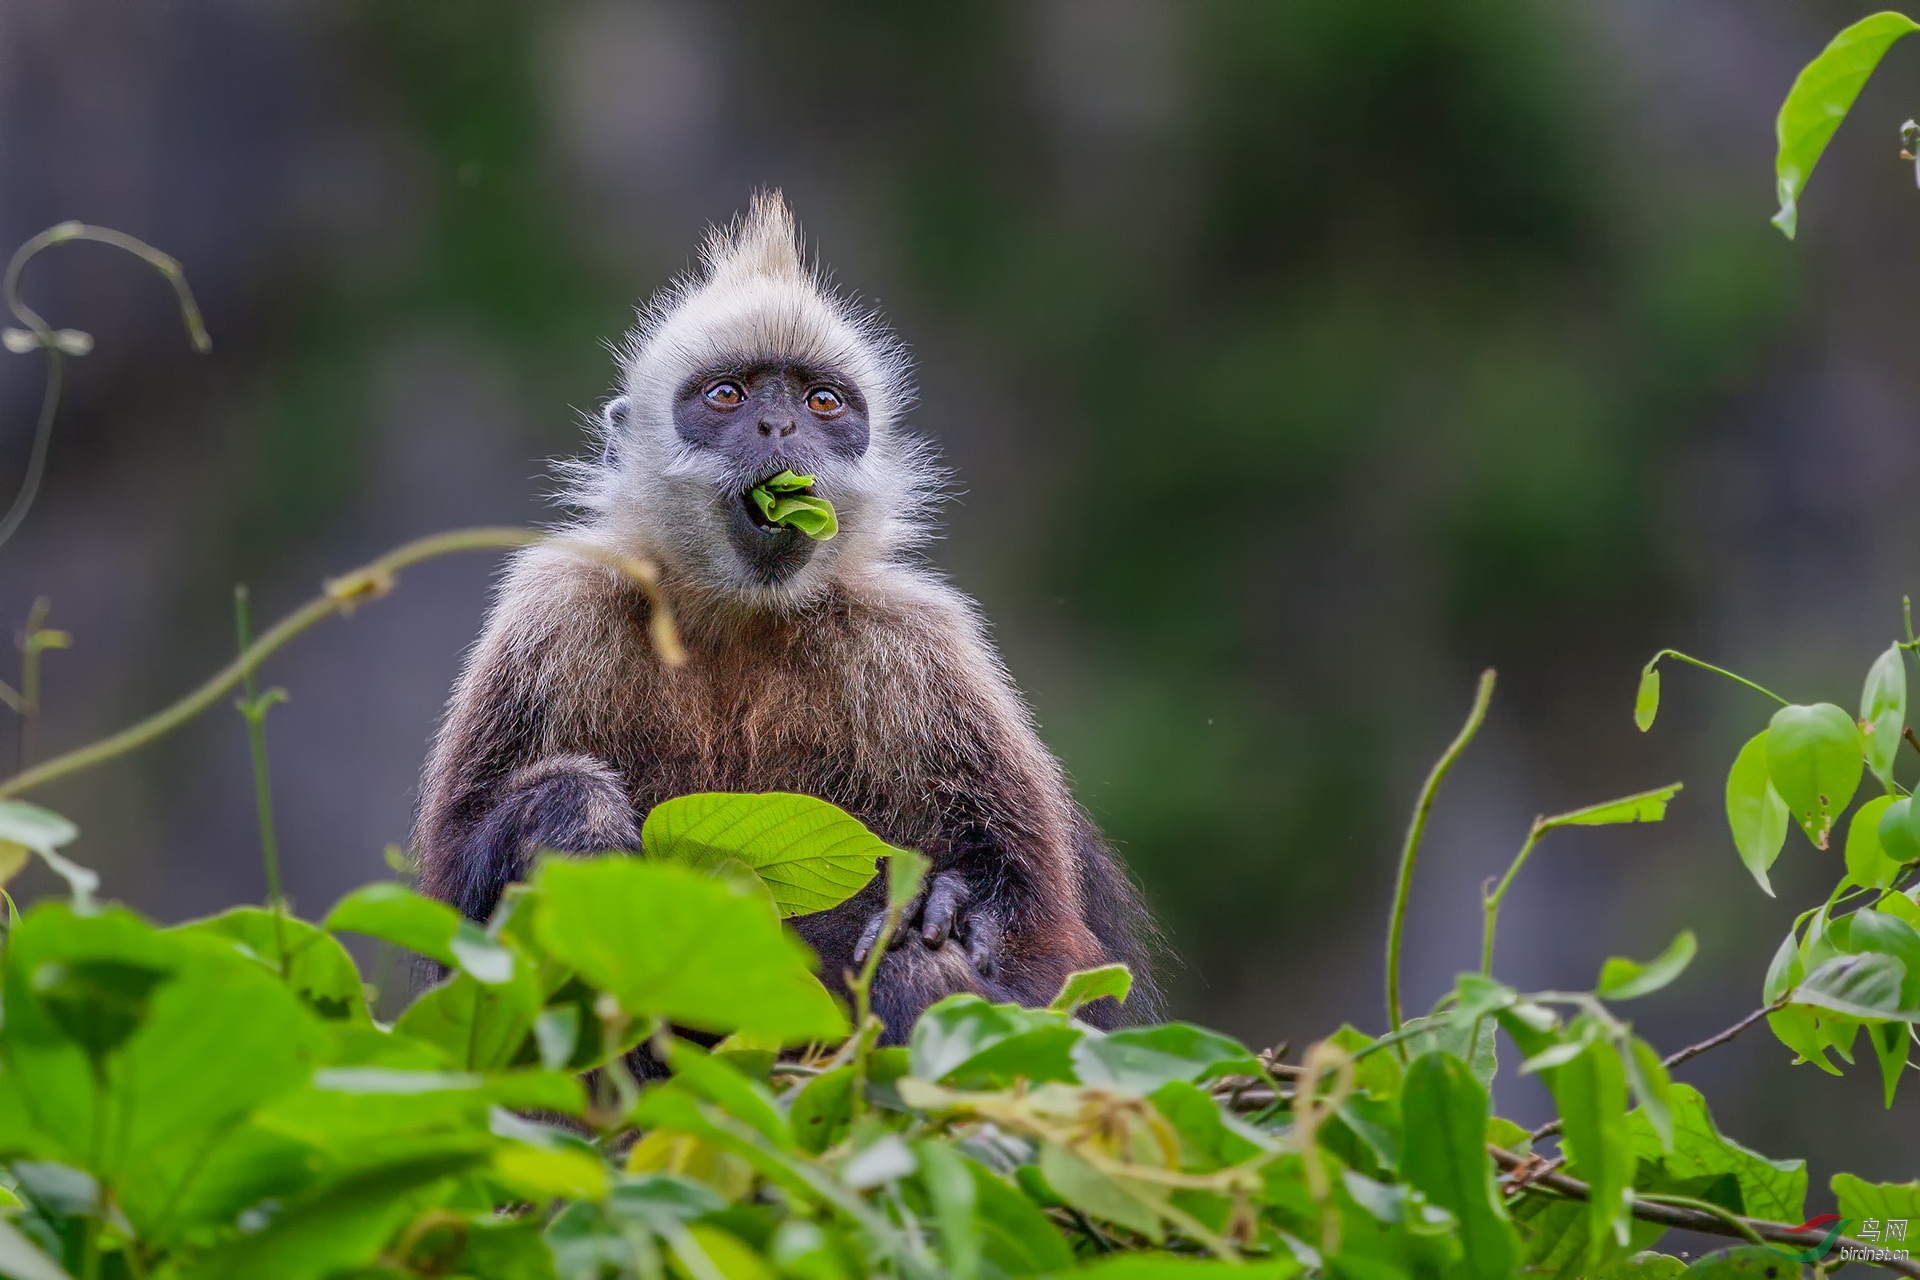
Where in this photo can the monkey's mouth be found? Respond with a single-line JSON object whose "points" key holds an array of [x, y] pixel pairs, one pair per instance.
{"points": [[757, 517], [770, 553]]}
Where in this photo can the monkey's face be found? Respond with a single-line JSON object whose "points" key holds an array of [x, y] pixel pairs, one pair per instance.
{"points": [[754, 421]]}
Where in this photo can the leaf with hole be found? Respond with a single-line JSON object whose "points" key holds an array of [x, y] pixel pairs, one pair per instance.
{"points": [[1814, 761]]}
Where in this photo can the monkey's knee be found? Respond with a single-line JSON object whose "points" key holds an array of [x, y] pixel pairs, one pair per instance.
{"points": [[572, 804]]}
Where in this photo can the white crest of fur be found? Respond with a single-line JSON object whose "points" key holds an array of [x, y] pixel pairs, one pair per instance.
{"points": [[755, 297]]}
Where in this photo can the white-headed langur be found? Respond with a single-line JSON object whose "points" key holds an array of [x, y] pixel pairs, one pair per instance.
{"points": [[845, 669]]}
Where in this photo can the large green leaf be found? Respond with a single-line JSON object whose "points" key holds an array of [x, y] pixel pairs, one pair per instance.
{"points": [[218, 1036], [1900, 830], [1444, 1116], [1876, 931], [1858, 986], [1590, 1092], [1773, 1189], [1860, 1200], [391, 911], [1867, 862], [1883, 711], [1141, 1059], [670, 943], [1624, 979], [1821, 96], [1814, 759], [812, 855], [316, 966], [971, 1043], [1756, 814]]}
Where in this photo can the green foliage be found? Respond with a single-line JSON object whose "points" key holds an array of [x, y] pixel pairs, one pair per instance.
{"points": [[1821, 96], [809, 853], [785, 499]]}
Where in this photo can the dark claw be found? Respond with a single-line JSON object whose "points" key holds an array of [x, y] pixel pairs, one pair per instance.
{"points": [[869, 935], [941, 917]]}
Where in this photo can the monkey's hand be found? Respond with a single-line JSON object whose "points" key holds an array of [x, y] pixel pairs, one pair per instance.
{"points": [[946, 909]]}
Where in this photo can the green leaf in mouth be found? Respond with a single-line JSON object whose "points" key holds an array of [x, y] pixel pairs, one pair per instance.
{"points": [[784, 500]]}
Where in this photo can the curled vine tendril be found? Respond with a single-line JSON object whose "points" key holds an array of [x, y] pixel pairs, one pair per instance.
{"points": [[58, 344]]}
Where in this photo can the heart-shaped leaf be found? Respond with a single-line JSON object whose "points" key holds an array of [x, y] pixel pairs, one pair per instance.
{"points": [[812, 855], [1814, 760]]}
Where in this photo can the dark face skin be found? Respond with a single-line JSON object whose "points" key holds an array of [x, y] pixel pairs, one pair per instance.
{"points": [[763, 419]]}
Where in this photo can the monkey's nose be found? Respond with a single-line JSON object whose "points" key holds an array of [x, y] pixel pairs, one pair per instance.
{"points": [[782, 429]]}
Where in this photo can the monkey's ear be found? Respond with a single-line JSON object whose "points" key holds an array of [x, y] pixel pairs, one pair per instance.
{"points": [[613, 419]]}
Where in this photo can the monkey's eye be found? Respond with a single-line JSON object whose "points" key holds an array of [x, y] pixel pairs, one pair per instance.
{"points": [[824, 401], [726, 394]]}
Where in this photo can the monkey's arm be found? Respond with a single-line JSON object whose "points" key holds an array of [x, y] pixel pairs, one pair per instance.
{"points": [[507, 777]]}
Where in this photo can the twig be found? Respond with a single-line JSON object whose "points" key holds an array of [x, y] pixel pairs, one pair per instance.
{"points": [[1415, 829], [1719, 671], [341, 596], [1696, 1220], [1912, 741], [1679, 1056]]}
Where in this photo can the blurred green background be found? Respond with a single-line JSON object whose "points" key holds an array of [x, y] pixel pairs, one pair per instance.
{"points": [[1295, 360]]}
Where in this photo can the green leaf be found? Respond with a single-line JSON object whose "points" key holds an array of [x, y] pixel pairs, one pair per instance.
{"points": [[42, 830], [943, 1172], [1624, 979], [822, 1110], [1444, 1113], [1151, 1265], [1878, 932], [1756, 814], [1014, 1235], [970, 1043], [1821, 96], [1858, 986], [1646, 806], [1900, 831], [1443, 1033], [22, 1260], [1084, 986], [1814, 760], [1645, 1265], [1772, 1189], [395, 913], [1867, 862], [1883, 711], [190, 1054], [1860, 1199], [721, 1083], [712, 958], [812, 855], [317, 967], [784, 500], [343, 1227], [1646, 700], [906, 872], [1141, 1059], [1652, 1087], [1890, 1047], [1591, 1094], [481, 1027], [1744, 1262], [1093, 1193]]}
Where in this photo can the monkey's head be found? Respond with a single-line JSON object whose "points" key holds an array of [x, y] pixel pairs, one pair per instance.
{"points": [[748, 367]]}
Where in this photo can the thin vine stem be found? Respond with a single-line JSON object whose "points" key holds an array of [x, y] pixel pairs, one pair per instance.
{"points": [[1410, 850], [1719, 671], [58, 344], [341, 596]]}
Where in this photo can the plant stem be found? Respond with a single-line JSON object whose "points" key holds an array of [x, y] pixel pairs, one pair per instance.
{"points": [[1722, 671], [1411, 848], [1490, 902], [342, 595], [253, 709], [1688, 1218], [1725, 1215]]}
